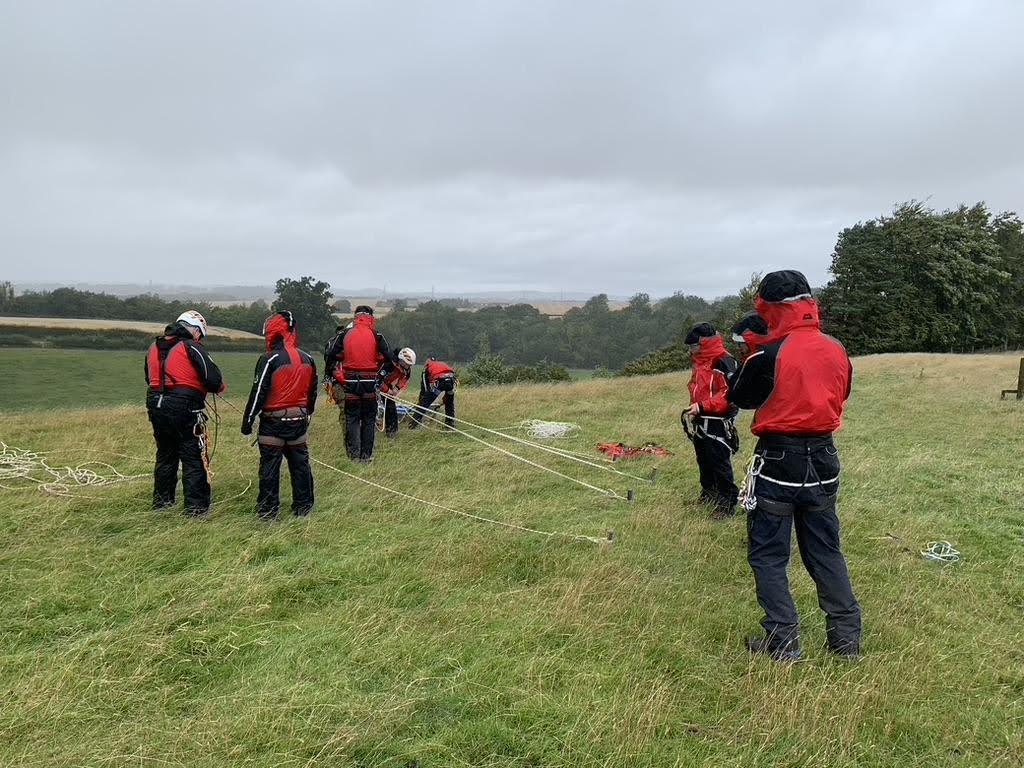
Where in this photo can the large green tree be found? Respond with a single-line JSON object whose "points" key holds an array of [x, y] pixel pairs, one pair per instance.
{"points": [[309, 301], [917, 281]]}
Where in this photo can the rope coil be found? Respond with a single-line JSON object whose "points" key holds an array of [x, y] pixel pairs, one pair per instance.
{"points": [[21, 464], [941, 552]]}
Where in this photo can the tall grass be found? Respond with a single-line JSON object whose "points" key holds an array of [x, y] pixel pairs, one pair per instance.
{"points": [[381, 632]]}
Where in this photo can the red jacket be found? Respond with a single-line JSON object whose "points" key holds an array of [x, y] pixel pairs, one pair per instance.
{"points": [[434, 370], [175, 363], [363, 350], [800, 379], [709, 387], [285, 375], [395, 381]]}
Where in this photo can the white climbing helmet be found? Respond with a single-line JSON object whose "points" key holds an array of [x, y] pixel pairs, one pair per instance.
{"points": [[407, 356], [193, 319]]}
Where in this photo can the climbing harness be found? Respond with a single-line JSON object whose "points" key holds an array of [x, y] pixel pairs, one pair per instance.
{"points": [[697, 427]]}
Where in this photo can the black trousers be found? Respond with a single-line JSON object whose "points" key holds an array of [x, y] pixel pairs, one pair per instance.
{"points": [[174, 419], [714, 462], [803, 496], [390, 417], [427, 398], [360, 418], [284, 440]]}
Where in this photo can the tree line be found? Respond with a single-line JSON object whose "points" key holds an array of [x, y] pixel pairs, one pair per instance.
{"points": [[917, 280], [922, 280]]}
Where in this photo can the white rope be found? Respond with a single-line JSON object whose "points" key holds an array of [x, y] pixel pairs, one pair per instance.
{"points": [[20, 464], [570, 455], [548, 430], [603, 491], [468, 515], [941, 551]]}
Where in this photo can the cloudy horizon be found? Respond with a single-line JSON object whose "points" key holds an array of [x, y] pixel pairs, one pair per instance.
{"points": [[553, 146]]}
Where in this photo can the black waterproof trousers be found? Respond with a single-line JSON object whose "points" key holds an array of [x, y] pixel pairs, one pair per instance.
{"points": [[175, 418], [797, 486], [284, 438], [428, 396], [714, 462], [390, 417], [360, 418]]}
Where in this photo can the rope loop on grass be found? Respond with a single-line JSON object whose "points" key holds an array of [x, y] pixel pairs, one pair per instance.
{"points": [[32, 468], [941, 552]]}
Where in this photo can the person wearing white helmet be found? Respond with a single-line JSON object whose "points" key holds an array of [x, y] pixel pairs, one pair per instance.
{"points": [[394, 379], [180, 374]]}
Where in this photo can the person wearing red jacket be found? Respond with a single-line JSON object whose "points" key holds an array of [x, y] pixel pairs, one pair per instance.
{"points": [[712, 416], [394, 379], [354, 360], [438, 381], [283, 395], [798, 381], [180, 374], [749, 333]]}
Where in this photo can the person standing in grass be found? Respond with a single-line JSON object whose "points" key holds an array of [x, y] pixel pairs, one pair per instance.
{"points": [[180, 374], [713, 418], [438, 381], [749, 333], [283, 394], [798, 382], [354, 360], [394, 379]]}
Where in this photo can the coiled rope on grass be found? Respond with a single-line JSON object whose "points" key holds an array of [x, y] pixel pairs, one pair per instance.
{"points": [[941, 551], [20, 465]]}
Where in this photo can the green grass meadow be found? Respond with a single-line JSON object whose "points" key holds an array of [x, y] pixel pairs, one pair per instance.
{"points": [[384, 632]]}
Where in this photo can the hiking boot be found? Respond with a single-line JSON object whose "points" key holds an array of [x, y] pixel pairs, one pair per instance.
{"points": [[198, 514], [787, 652], [303, 512], [846, 651], [391, 434], [163, 506], [366, 460], [267, 517], [723, 513]]}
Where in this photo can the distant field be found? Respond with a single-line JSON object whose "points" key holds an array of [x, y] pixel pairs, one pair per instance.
{"points": [[79, 378], [83, 378], [115, 325]]}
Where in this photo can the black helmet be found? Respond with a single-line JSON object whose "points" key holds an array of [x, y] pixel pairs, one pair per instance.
{"points": [[363, 309], [752, 322], [784, 285], [699, 331]]}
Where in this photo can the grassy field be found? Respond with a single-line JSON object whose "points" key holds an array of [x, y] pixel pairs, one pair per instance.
{"points": [[381, 632], [76, 378]]}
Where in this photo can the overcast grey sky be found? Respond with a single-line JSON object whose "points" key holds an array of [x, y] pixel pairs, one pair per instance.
{"points": [[558, 145]]}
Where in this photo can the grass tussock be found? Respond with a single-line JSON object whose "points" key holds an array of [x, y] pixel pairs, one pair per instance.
{"points": [[382, 632]]}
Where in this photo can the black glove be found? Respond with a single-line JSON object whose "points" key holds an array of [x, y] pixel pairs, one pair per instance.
{"points": [[246, 429]]}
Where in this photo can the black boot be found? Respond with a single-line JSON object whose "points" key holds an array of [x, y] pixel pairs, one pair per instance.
{"points": [[784, 652]]}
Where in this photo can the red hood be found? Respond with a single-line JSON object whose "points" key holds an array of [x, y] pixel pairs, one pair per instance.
{"points": [[753, 341], [784, 317], [277, 330], [366, 321], [711, 348]]}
